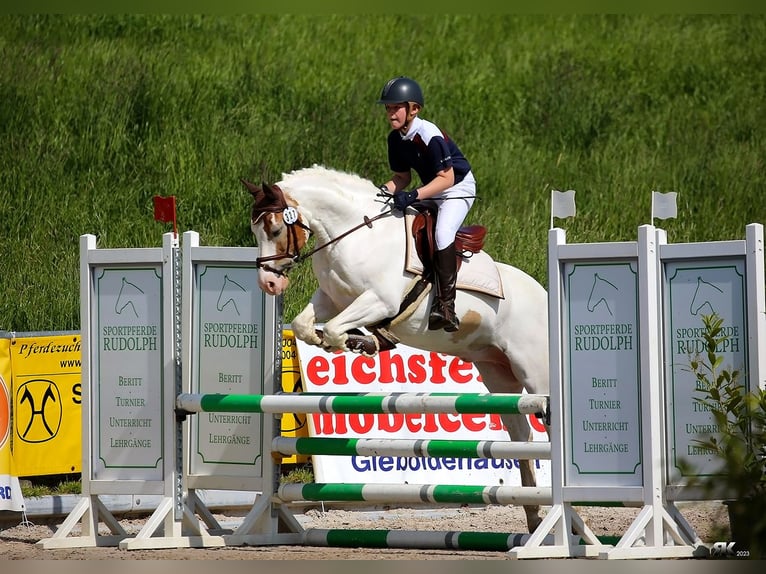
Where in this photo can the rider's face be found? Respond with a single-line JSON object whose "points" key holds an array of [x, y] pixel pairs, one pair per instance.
{"points": [[397, 115]]}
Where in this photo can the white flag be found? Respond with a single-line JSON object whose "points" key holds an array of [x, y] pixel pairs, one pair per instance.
{"points": [[664, 205], [562, 203]]}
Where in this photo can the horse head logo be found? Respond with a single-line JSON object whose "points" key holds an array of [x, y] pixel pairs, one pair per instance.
{"points": [[230, 292], [705, 295], [600, 293], [129, 292]]}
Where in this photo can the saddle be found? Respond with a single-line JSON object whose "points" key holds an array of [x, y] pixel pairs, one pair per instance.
{"points": [[468, 240]]}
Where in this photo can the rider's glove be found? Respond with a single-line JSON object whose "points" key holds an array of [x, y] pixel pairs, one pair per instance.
{"points": [[403, 199]]}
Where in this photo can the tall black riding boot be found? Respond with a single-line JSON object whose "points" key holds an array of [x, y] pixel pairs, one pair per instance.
{"points": [[445, 274]]}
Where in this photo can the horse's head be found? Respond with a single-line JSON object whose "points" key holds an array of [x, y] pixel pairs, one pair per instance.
{"points": [[279, 232]]}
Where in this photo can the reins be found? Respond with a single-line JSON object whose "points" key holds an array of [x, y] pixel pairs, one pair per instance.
{"points": [[366, 223], [291, 220], [290, 217]]}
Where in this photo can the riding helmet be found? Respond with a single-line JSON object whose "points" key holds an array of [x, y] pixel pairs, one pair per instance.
{"points": [[401, 89]]}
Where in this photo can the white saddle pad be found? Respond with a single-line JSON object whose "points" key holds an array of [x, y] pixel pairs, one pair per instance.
{"points": [[477, 273]]}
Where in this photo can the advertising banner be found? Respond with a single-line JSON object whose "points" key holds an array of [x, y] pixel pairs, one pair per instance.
{"points": [[695, 289], [603, 427], [406, 370], [46, 404], [293, 424], [229, 357], [41, 378], [10, 490]]}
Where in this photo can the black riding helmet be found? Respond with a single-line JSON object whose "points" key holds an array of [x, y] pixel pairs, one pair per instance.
{"points": [[401, 89]]}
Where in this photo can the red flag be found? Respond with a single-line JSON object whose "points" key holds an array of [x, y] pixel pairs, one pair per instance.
{"points": [[165, 210]]}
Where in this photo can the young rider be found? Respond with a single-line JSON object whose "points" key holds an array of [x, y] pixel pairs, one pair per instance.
{"points": [[446, 181]]}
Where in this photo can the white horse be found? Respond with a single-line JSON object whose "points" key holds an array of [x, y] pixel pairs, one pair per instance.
{"points": [[359, 262]]}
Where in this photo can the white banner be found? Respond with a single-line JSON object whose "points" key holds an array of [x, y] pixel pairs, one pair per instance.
{"points": [[406, 370]]}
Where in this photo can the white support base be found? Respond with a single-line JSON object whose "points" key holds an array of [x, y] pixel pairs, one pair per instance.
{"points": [[89, 512], [261, 525], [560, 520], [172, 532], [677, 538]]}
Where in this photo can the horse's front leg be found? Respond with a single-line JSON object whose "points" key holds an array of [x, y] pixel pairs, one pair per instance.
{"points": [[319, 309], [367, 309]]}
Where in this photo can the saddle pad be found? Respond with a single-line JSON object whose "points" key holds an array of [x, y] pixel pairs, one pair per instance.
{"points": [[477, 273]]}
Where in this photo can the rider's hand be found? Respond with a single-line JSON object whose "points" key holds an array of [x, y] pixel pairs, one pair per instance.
{"points": [[403, 199]]}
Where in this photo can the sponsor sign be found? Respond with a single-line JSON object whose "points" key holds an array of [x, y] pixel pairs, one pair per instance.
{"points": [[127, 399], [602, 385], [695, 289], [46, 405], [293, 424], [228, 358], [406, 370]]}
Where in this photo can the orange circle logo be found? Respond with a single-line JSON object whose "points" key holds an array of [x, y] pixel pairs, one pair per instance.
{"points": [[5, 413]]}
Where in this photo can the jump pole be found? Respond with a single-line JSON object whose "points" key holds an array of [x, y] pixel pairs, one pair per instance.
{"points": [[411, 447], [414, 493], [426, 540], [376, 403]]}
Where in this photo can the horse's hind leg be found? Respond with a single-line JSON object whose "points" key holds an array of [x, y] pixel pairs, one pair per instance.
{"points": [[499, 378], [519, 430]]}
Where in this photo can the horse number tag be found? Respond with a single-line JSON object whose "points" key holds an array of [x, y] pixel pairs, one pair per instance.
{"points": [[290, 215]]}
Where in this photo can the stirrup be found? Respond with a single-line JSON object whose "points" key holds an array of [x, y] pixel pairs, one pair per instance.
{"points": [[439, 318]]}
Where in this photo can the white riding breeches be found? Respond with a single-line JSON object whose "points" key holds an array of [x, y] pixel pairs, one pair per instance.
{"points": [[452, 205]]}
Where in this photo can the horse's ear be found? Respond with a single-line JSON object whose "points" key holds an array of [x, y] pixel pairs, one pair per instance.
{"points": [[251, 187], [268, 191]]}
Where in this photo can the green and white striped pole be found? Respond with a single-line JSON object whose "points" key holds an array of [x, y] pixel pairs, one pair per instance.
{"points": [[411, 447], [414, 493], [375, 403], [427, 540]]}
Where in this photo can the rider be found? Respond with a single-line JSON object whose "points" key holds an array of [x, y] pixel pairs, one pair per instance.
{"points": [[447, 181]]}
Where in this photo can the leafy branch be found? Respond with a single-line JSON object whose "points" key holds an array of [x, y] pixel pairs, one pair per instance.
{"points": [[739, 415]]}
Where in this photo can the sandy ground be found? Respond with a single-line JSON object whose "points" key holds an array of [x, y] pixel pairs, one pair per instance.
{"points": [[18, 541]]}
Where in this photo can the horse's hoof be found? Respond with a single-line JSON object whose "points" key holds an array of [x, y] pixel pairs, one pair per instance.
{"points": [[363, 344]]}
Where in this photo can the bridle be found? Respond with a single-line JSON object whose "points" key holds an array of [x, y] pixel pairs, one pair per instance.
{"points": [[292, 220]]}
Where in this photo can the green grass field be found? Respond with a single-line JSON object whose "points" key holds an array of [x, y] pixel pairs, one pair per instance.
{"points": [[100, 113]]}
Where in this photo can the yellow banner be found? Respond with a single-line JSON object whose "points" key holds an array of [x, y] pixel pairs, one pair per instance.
{"points": [[292, 424], [44, 390], [46, 404]]}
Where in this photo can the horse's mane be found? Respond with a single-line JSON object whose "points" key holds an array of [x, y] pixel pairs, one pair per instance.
{"points": [[340, 181]]}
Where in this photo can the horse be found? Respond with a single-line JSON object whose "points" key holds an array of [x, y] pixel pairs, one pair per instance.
{"points": [[359, 263]]}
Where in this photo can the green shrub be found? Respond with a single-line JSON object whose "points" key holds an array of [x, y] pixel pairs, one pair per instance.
{"points": [[740, 444]]}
